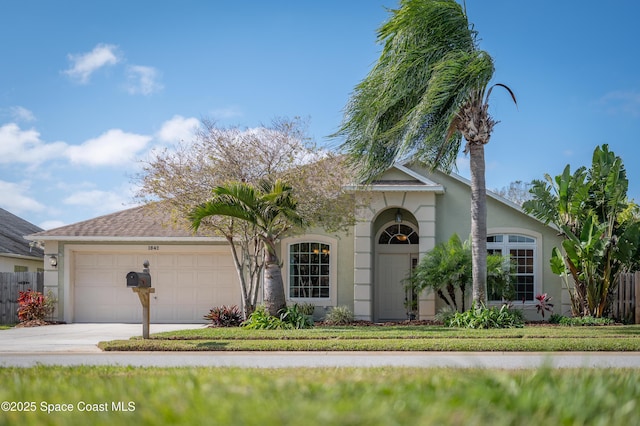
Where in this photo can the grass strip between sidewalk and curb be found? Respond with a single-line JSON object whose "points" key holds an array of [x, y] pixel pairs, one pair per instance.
{"points": [[417, 338]]}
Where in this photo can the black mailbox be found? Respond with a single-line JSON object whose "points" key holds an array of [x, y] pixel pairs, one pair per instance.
{"points": [[138, 279]]}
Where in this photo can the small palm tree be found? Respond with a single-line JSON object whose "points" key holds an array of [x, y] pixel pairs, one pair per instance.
{"points": [[429, 89], [270, 209]]}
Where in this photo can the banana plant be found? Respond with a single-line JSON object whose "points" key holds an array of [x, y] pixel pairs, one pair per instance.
{"points": [[600, 227]]}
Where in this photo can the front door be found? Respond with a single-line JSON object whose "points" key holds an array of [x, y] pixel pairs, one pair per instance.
{"points": [[393, 269], [396, 255]]}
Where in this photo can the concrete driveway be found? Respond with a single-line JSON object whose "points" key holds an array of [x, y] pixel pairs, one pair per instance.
{"points": [[75, 337]]}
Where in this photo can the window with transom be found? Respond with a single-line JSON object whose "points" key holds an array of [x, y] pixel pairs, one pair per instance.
{"points": [[522, 251]]}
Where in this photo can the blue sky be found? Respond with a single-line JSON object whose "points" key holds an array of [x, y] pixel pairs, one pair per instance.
{"points": [[88, 88]]}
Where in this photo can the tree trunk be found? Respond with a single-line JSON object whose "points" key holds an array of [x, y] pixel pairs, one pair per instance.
{"points": [[478, 224], [274, 298]]}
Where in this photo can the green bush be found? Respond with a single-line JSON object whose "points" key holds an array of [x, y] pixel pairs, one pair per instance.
{"points": [[260, 319], [225, 316], [294, 317], [483, 317], [340, 315], [585, 321], [305, 308], [290, 318], [445, 314], [555, 318]]}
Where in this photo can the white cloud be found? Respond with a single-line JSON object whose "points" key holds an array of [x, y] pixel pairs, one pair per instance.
{"points": [[25, 146], [143, 80], [99, 200], [112, 148], [21, 114], [85, 64], [15, 200], [178, 129], [626, 102]]}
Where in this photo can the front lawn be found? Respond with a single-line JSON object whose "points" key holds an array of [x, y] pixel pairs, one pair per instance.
{"points": [[397, 338], [328, 396]]}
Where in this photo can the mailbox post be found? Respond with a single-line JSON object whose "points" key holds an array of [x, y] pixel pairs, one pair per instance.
{"points": [[140, 282]]}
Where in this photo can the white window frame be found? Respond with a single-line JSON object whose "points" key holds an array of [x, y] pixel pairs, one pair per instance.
{"points": [[333, 270], [505, 246]]}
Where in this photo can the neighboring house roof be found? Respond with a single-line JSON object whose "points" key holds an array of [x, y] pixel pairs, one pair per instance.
{"points": [[145, 223], [12, 232]]}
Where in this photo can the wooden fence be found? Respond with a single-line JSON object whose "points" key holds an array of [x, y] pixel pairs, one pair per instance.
{"points": [[626, 299], [11, 283]]}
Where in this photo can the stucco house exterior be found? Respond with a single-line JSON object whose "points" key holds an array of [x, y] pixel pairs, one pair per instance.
{"points": [[409, 210], [16, 253]]}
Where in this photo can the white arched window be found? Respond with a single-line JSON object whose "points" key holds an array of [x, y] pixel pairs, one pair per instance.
{"points": [[399, 233], [523, 252]]}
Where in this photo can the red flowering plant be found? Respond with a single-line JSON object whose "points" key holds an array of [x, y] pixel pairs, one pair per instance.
{"points": [[33, 306], [543, 303]]}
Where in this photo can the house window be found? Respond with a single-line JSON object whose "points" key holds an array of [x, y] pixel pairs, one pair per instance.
{"points": [[522, 250], [398, 233], [309, 270], [17, 268]]}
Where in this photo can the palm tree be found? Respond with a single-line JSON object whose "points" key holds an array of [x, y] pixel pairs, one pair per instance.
{"points": [[270, 209], [428, 90]]}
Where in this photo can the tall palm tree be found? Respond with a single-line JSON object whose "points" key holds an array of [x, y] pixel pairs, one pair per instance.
{"points": [[428, 90], [270, 209]]}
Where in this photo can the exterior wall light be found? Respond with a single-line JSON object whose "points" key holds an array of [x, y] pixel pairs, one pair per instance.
{"points": [[398, 216]]}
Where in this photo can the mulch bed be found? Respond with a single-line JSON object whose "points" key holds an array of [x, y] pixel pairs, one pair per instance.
{"points": [[37, 323]]}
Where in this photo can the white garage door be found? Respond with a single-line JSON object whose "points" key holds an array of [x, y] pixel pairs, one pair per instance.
{"points": [[187, 286]]}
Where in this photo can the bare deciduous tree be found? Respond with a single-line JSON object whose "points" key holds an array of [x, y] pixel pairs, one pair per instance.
{"points": [[184, 176]]}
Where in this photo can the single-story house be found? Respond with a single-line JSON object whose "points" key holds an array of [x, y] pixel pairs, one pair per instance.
{"points": [[16, 253], [409, 210]]}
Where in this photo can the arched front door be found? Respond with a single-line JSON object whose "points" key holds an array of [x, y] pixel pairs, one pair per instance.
{"points": [[396, 255]]}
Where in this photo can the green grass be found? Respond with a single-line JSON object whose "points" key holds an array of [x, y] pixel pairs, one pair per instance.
{"points": [[5, 326], [379, 396], [398, 338]]}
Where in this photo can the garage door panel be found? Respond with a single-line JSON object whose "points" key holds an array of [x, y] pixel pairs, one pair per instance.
{"points": [[202, 261], [187, 285]]}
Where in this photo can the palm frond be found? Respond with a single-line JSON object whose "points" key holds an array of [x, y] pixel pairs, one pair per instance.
{"points": [[407, 103]]}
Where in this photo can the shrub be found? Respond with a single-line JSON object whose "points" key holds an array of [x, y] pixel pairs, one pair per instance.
{"points": [[290, 317], [483, 317], [225, 316], [294, 317], [445, 314], [340, 315], [543, 304], [305, 308], [34, 306], [555, 318], [585, 321], [260, 319]]}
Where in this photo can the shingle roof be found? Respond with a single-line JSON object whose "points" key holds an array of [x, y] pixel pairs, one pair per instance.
{"points": [[149, 221], [12, 232]]}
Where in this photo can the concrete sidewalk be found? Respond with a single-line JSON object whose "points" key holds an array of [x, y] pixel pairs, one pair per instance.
{"points": [[511, 360]]}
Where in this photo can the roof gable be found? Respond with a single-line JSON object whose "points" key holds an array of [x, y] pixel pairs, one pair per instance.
{"points": [[401, 178]]}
